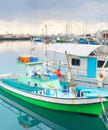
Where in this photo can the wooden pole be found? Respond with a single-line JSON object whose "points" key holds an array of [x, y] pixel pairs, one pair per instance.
{"points": [[69, 69]]}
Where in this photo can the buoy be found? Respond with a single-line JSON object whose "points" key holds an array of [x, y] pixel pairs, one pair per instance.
{"points": [[101, 77], [58, 72]]}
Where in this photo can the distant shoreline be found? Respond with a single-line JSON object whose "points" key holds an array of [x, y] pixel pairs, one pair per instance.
{"points": [[14, 38]]}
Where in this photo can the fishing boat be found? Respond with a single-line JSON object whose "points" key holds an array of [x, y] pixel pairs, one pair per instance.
{"points": [[88, 63], [37, 86], [37, 40], [60, 40]]}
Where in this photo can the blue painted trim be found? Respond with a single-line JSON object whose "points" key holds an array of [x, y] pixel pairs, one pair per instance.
{"points": [[91, 67]]}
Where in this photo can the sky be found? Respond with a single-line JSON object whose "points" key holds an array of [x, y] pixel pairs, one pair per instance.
{"points": [[31, 16]]}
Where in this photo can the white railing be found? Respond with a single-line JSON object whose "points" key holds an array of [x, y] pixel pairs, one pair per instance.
{"points": [[53, 65]]}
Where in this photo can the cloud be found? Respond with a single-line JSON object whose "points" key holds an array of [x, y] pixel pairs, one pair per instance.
{"points": [[79, 10], [40, 12], [52, 9]]}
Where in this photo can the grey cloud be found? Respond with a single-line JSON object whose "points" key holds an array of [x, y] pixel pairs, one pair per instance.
{"points": [[37, 10]]}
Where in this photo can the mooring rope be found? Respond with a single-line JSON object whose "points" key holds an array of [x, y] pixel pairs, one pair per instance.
{"points": [[103, 108]]}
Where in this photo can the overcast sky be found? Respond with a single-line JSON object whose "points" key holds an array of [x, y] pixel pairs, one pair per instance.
{"points": [[38, 12]]}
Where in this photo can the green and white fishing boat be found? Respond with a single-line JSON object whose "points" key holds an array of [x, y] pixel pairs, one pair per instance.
{"points": [[33, 84]]}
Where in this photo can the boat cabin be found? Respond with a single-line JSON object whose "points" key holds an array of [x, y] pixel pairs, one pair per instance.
{"points": [[84, 59], [32, 73]]}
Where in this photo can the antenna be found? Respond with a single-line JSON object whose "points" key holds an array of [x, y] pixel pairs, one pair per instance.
{"points": [[45, 30]]}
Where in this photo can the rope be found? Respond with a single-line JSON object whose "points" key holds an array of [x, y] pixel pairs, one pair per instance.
{"points": [[103, 108]]}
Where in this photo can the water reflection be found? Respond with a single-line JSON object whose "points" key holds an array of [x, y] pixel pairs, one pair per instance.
{"points": [[10, 51], [34, 118]]}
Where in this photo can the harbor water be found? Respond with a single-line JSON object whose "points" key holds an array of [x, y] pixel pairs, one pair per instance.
{"points": [[18, 115]]}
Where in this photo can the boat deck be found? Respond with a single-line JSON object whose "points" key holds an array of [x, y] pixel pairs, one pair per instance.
{"points": [[37, 90], [67, 92]]}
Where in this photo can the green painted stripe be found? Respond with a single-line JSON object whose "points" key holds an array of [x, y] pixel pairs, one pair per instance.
{"points": [[95, 108]]}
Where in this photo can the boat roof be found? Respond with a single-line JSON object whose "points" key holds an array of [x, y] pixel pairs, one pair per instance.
{"points": [[77, 49], [30, 63]]}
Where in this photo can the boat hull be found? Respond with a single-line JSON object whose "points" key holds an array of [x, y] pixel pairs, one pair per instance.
{"points": [[92, 108]]}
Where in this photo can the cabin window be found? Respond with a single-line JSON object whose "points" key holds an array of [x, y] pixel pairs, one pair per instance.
{"points": [[23, 71], [100, 63], [28, 83], [35, 84], [75, 62]]}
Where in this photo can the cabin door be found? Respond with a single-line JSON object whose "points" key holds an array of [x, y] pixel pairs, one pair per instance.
{"points": [[91, 67]]}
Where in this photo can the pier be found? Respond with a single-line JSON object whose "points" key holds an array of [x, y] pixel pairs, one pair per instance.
{"points": [[11, 37]]}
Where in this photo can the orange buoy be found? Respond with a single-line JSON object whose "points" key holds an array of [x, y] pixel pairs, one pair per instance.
{"points": [[58, 72]]}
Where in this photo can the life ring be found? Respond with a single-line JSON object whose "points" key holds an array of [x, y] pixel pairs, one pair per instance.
{"points": [[101, 76]]}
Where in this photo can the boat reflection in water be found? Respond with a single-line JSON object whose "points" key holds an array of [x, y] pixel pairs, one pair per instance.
{"points": [[30, 116]]}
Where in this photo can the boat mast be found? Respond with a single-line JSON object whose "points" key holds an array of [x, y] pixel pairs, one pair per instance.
{"points": [[71, 84], [45, 39], [70, 77]]}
